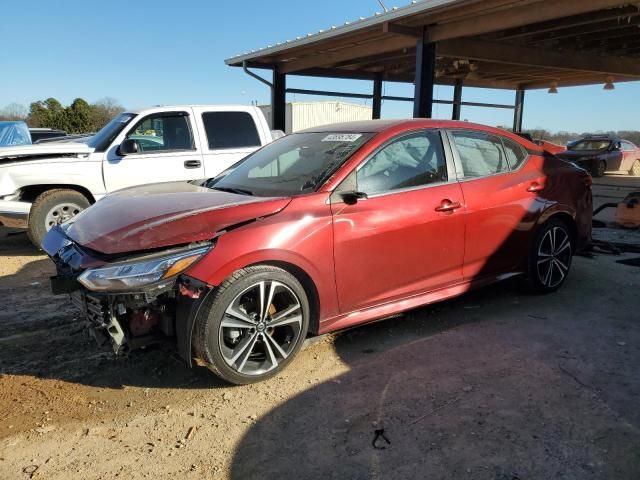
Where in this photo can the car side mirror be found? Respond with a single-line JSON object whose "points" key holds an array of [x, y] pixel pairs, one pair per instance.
{"points": [[351, 197], [616, 146], [127, 147]]}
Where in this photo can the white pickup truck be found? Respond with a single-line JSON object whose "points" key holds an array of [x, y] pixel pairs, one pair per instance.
{"points": [[43, 185]]}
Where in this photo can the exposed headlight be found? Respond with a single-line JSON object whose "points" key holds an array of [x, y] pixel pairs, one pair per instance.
{"points": [[132, 275]]}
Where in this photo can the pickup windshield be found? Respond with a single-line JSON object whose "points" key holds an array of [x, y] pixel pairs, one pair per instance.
{"points": [[591, 145], [101, 140], [293, 165]]}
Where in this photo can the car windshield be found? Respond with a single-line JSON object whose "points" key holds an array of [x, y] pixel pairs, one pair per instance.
{"points": [[292, 165], [591, 145], [101, 140]]}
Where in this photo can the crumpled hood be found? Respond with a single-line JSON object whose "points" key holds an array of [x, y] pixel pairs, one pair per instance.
{"points": [[24, 153], [164, 215]]}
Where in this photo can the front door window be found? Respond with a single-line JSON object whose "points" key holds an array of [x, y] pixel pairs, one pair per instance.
{"points": [[162, 133]]}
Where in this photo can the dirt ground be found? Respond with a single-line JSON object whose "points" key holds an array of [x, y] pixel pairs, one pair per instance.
{"points": [[493, 385]]}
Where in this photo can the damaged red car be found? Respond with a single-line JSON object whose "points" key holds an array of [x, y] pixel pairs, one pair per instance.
{"points": [[319, 231]]}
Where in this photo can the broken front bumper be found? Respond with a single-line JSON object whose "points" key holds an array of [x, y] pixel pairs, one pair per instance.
{"points": [[127, 320], [14, 214]]}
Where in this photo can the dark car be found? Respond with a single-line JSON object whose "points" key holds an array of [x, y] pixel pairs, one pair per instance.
{"points": [[319, 231], [600, 153], [39, 134]]}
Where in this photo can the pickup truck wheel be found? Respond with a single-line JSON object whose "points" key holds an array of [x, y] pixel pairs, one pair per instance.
{"points": [[253, 325], [53, 207], [635, 169]]}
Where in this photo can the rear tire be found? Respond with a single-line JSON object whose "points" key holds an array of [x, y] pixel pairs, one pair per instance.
{"points": [[253, 325], [52, 208], [635, 169], [550, 257], [599, 168]]}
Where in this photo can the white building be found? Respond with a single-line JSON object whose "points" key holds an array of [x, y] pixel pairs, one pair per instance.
{"points": [[302, 115]]}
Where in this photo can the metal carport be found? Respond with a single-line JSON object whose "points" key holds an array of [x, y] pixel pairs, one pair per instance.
{"points": [[507, 44]]}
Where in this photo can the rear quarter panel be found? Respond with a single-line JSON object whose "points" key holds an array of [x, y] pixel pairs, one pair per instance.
{"points": [[568, 192]]}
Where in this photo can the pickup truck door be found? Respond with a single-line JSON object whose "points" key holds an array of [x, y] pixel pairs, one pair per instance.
{"points": [[167, 151], [229, 134]]}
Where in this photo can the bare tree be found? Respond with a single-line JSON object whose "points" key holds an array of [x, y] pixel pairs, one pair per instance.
{"points": [[104, 110], [14, 111]]}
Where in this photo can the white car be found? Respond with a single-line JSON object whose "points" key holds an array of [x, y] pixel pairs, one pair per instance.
{"points": [[44, 185]]}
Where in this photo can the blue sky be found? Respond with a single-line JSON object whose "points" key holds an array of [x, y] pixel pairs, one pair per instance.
{"points": [[165, 52]]}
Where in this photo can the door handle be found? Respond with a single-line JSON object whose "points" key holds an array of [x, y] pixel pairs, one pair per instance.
{"points": [[448, 206], [535, 187], [192, 164]]}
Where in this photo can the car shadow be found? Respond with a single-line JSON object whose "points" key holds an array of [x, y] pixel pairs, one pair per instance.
{"points": [[492, 385]]}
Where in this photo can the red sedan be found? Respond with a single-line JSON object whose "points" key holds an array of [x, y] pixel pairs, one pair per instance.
{"points": [[319, 231]]}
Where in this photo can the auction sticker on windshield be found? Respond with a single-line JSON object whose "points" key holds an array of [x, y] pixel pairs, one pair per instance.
{"points": [[342, 137]]}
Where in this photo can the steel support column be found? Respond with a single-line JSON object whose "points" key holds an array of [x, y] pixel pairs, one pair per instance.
{"points": [[457, 100], [425, 77], [279, 100], [377, 97], [517, 113]]}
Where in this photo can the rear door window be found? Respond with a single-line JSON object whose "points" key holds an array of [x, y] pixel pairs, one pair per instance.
{"points": [[481, 154], [227, 130], [516, 155]]}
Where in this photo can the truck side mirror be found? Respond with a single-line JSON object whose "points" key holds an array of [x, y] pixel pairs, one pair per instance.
{"points": [[127, 147]]}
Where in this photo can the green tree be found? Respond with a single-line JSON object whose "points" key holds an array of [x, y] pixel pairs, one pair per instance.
{"points": [[79, 116], [48, 114]]}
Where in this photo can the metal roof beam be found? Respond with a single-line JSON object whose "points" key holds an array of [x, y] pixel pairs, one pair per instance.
{"points": [[346, 54], [516, 17], [568, 22], [516, 55]]}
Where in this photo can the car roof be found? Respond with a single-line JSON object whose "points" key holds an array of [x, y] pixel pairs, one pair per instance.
{"points": [[214, 106], [377, 126], [598, 137]]}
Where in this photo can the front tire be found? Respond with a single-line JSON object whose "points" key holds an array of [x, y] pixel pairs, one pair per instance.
{"points": [[252, 325], [635, 169], [53, 207], [550, 257]]}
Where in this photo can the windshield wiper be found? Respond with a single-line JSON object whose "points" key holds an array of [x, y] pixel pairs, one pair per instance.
{"points": [[239, 191]]}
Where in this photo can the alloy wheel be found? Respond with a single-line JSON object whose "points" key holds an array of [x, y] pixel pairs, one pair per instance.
{"points": [[554, 257], [60, 214], [260, 328]]}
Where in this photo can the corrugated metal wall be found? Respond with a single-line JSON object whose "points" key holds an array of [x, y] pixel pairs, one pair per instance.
{"points": [[302, 115]]}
